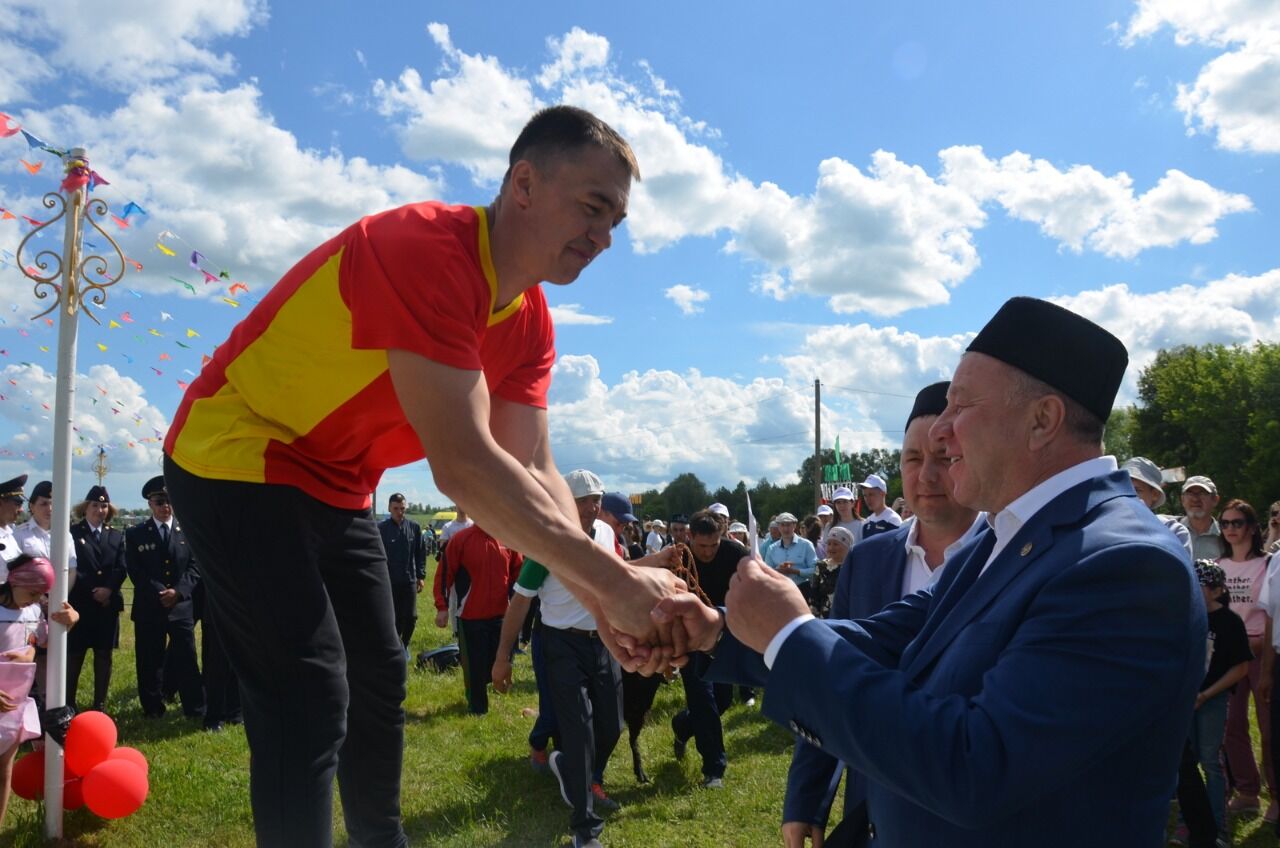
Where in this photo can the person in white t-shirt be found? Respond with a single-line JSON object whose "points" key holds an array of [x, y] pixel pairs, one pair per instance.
{"points": [[880, 518], [583, 679], [459, 523], [655, 541]]}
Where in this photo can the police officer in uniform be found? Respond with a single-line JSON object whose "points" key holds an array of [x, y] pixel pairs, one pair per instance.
{"points": [[164, 574], [10, 505], [100, 571]]}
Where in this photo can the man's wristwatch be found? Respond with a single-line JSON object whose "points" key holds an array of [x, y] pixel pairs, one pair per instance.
{"points": [[719, 636]]}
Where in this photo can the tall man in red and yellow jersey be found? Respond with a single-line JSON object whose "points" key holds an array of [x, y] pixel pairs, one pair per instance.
{"points": [[420, 331]]}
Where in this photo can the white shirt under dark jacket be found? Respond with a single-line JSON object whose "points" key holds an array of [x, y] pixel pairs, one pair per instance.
{"points": [[917, 575], [1006, 524]]}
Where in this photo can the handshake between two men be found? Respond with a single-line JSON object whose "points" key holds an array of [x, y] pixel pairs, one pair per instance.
{"points": [[759, 604]]}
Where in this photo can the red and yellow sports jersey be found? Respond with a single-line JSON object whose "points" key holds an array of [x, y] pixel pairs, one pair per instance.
{"points": [[300, 394]]}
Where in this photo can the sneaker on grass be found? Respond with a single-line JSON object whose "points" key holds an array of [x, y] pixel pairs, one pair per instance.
{"points": [[602, 801], [555, 762], [538, 761]]}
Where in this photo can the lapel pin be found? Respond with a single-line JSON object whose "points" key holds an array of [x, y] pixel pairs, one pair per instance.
{"points": [[1026, 549]]}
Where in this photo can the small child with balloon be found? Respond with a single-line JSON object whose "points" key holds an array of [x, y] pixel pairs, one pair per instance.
{"points": [[22, 627]]}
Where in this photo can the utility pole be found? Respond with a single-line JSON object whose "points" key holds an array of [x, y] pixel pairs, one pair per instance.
{"points": [[817, 444]]}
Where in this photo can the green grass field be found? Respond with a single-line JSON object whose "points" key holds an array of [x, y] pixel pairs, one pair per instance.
{"points": [[466, 779]]}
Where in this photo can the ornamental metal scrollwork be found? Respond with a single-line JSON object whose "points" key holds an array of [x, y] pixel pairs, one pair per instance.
{"points": [[49, 269]]}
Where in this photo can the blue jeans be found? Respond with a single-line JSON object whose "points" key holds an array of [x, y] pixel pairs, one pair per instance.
{"points": [[1208, 724]]}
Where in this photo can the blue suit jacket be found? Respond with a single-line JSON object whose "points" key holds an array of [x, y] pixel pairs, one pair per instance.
{"points": [[1044, 704], [870, 579]]}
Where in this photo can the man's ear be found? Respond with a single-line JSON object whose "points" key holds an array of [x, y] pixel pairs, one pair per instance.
{"points": [[522, 183], [1048, 415]]}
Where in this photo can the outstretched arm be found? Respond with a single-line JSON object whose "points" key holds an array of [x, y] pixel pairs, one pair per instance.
{"points": [[494, 459]]}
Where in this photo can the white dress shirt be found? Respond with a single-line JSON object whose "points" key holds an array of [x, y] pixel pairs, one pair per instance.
{"points": [[1009, 520], [918, 575], [36, 541], [1006, 524]]}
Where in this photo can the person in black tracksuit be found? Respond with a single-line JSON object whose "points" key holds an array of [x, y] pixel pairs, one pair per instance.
{"points": [[164, 573], [100, 572]]}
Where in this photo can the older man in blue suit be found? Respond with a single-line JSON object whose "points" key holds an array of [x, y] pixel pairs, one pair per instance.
{"points": [[1040, 693], [876, 573]]}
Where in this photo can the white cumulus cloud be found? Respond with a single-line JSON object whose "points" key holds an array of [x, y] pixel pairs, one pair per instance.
{"points": [[648, 427], [470, 115], [1234, 95], [111, 410], [1082, 207], [120, 45], [687, 298], [571, 313], [212, 166], [878, 239], [1236, 309]]}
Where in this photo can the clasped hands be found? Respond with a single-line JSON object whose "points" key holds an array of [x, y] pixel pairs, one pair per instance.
{"points": [[760, 602]]}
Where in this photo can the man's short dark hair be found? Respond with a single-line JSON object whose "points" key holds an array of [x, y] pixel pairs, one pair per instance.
{"points": [[558, 130], [704, 523], [396, 498], [1079, 422]]}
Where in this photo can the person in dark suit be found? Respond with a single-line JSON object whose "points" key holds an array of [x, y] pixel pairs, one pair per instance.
{"points": [[1041, 693], [100, 572], [406, 565], [163, 570], [874, 574]]}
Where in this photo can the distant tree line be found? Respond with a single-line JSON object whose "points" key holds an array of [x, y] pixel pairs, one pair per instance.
{"points": [[1213, 410], [687, 494]]}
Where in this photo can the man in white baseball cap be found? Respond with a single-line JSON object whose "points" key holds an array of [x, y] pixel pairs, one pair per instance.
{"points": [[1200, 501], [880, 518], [656, 539]]}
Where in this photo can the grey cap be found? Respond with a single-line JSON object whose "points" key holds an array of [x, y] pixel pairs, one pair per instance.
{"points": [[1141, 468], [1201, 481], [583, 483], [785, 517]]}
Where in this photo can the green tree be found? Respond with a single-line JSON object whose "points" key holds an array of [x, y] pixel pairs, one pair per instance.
{"points": [[686, 494], [1118, 440], [652, 505], [1213, 410]]}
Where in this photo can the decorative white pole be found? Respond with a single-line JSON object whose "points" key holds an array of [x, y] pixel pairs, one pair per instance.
{"points": [[69, 296]]}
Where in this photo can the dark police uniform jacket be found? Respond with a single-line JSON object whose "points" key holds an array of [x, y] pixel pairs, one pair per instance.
{"points": [[99, 564], [154, 566]]}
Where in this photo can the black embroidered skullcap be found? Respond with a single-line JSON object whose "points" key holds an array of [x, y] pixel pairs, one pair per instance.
{"points": [[98, 494], [1058, 347], [43, 489], [931, 401], [155, 486], [12, 489]]}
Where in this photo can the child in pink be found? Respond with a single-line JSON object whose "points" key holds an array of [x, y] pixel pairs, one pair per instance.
{"points": [[22, 627]]}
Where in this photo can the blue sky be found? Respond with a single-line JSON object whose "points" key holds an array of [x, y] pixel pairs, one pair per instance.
{"points": [[841, 192]]}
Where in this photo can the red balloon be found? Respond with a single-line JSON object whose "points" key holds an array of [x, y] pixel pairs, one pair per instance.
{"points": [[73, 794], [115, 788], [132, 755], [90, 739], [28, 776]]}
